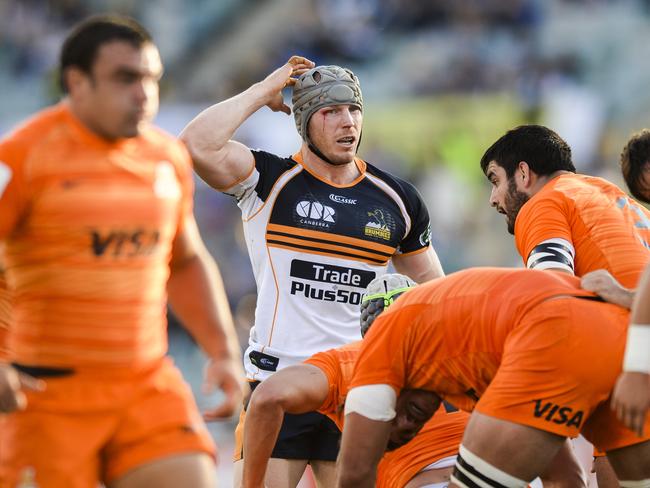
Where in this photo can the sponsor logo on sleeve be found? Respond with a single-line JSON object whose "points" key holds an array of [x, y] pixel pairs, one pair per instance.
{"points": [[425, 237]]}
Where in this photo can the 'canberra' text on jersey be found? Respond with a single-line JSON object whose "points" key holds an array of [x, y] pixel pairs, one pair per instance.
{"points": [[314, 247]]}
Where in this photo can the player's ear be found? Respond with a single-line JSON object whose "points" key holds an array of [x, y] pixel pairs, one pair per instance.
{"points": [[74, 79], [523, 174]]}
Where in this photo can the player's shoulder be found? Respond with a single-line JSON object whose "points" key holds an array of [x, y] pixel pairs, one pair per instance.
{"points": [[395, 182], [350, 350], [405, 190], [164, 146], [155, 138], [577, 185], [34, 131], [269, 163]]}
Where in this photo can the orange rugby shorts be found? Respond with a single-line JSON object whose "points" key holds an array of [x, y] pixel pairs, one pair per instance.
{"points": [[96, 426], [558, 368]]}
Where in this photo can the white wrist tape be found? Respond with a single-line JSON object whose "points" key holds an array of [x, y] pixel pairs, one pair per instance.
{"points": [[376, 402], [637, 349]]}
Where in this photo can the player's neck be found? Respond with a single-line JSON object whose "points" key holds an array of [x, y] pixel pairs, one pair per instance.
{"points": [[543, 180], [338, 174]]}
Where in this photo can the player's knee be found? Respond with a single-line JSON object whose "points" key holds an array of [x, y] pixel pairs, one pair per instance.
{"points": [[473, 472], [635, 484]]}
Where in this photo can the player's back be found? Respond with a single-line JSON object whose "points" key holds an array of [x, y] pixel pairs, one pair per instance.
{"points": [[458, 326], [606, 228], [89, 227]]}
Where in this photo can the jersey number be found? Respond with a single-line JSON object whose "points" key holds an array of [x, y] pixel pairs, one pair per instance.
{"points": [[641, 223]]}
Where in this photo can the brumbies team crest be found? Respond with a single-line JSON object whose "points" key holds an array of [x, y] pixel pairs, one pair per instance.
{"points": [[378, 225]]}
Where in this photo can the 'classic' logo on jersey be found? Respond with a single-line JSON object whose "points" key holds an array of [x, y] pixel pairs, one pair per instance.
{"points": [[377, 226], [315, 214], [558, 414], [341, 199]]}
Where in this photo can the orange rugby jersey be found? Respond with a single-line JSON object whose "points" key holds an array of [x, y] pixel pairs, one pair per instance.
{"points": [[438, 439], [89, 227], [5, 310], [447, 335], [338, 365], [583, 223]]}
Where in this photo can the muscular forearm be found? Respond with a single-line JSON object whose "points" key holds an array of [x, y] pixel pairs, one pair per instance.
{"points": [[262, 426], [197, 297]]}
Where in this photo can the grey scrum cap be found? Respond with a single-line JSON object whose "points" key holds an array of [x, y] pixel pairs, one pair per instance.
{"points": [[320, 87], [380, 294]]}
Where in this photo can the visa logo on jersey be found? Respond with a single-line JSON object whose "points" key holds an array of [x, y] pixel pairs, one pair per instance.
{"points": [[124, 243], [558, 414]]}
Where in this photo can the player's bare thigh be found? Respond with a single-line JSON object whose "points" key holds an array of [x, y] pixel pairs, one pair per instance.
{"points": [[280, 473], [196, 469], [518, 450], [324, 473], [631, 462]]}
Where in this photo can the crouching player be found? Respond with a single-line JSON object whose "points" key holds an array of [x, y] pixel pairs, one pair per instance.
{"points": [[534, 357]]}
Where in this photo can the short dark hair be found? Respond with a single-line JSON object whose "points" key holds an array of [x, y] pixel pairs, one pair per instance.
{"points": [[543, 149], [81, 46], [635, 155]]}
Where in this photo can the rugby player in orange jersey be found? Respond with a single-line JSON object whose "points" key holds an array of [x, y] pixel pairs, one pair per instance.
{"points": [[96, 214], [631, 396], [529, 352], [5, 309], [564, 221], [320, 384]]}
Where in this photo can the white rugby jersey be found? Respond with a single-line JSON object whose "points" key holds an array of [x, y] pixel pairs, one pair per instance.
{"points": [[314, 247]]}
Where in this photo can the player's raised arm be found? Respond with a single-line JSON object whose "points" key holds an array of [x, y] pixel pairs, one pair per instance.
{"points": [[296, 389], [219, 161]]}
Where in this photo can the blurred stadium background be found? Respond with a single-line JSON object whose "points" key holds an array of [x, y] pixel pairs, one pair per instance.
{"points": [[442, 79]]}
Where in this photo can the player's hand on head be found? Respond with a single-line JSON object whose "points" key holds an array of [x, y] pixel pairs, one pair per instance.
{"points": [[282, 77], [12, 384], [631, 399], [226, 375], [603, 284]]}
